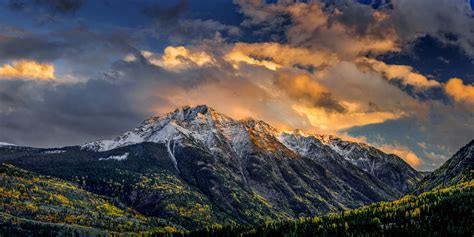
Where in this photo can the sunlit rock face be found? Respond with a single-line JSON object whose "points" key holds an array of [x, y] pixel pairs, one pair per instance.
{"points": [[224, 170]]}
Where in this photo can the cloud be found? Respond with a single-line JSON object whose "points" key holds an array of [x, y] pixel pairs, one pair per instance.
{"points": [[68, 114], [275, 55], [236, 97], [422, 145], [79, 45], [173, 24], [181, 58], [437, 158], [161, 13], [333, 123], [312, 26], [55, 6], [27, 69], [79, 52], [368, 91], [459, 92], [323, 100], [176, 58], [187, 30], [448, 20], [353, 29], [404, 152], [146, 87], [307, 91], [236, 57], [401, 72]]}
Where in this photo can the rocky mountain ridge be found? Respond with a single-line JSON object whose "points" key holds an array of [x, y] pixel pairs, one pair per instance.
{"points": [[205, 127], [459, 168]]}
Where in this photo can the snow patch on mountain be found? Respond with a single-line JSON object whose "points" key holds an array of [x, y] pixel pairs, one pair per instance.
{"points": [[118, 158], [6, 144], [171, 153], [49, 152]]}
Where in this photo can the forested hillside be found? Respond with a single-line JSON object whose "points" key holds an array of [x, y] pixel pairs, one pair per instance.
{"points": [[444, 212], [35, 204]]}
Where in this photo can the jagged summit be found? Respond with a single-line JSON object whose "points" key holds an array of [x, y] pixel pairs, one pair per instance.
{"points": [[185, 113], [200, 123]]}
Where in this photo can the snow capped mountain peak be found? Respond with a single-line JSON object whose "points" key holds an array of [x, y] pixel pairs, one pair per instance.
{"points": [[260, 126], [205, 126], [187, 113], [198, 123]]}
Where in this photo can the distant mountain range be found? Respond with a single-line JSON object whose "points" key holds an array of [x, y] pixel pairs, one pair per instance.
{"points": [[195, 167]]}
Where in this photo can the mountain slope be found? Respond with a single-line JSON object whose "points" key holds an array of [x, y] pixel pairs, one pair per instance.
{"points": [[197, 167], [444, 212], [146, 180], [459, 168], [29, 198]]}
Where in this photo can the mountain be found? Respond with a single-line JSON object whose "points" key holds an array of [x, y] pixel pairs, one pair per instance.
{"points": [[459, 168], [212, 130], [196, 167]]}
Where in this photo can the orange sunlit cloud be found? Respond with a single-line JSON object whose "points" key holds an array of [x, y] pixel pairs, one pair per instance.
{"points": [[404, 152], [27, 69], [176, 58], [460, 92], [330, 123], [276, 55], [402, 72]]}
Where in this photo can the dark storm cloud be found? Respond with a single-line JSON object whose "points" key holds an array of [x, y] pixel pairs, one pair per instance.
{"points": [[185, 31], [54, 6], [80, 46], [162, 13], [39, 112], [48, 113], [173, 23], [327, 101], [32, 47], [52, 113]]}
